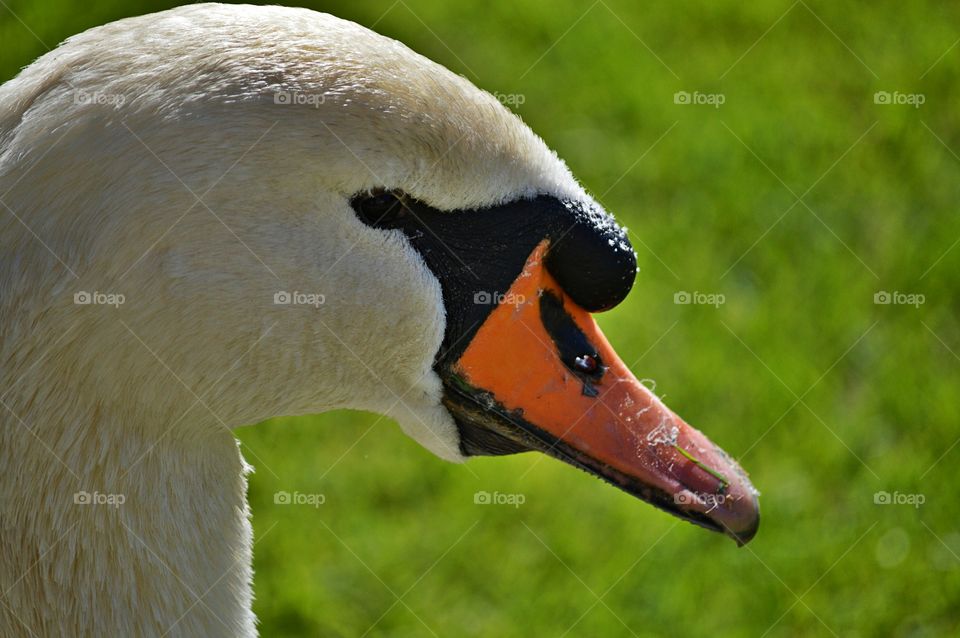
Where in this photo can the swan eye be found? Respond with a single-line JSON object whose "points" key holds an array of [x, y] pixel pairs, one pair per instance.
{"points": [[380, 207]]}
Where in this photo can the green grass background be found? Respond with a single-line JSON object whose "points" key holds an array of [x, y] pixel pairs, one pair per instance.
{"points": [[824, 396]]}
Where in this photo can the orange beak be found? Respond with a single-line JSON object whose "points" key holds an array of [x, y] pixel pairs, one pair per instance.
{"points": [[540, 375]]}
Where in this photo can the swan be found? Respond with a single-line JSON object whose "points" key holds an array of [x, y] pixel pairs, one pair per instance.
{"points": [[219, 214]]}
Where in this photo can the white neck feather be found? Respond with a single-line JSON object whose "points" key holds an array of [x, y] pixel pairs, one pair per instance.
{"points": [[107, 146], [129, 535]]}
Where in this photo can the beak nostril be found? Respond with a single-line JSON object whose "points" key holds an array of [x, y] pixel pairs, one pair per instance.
{"points": [[586, 363], [576, 352]]}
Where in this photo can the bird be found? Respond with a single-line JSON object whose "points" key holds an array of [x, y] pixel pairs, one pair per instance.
{"points": [[219, 214]]}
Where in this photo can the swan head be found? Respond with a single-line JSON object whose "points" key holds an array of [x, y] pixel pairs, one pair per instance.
{"points": [[303, 215]]}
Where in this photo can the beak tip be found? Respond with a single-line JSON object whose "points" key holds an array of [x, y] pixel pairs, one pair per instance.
{"points": [[745, 534]]}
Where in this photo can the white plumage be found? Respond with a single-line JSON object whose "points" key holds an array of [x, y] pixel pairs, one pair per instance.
{"points": [[151, 158]]}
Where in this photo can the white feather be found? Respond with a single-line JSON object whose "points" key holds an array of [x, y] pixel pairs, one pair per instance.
{"points": [[150, 158]]}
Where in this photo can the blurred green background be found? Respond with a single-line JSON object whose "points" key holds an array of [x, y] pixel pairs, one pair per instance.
{"points": [[798, 199]]}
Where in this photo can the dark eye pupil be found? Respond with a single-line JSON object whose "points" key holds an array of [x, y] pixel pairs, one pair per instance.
{"points": [[586, 363], [382, 201], [381, 206]]}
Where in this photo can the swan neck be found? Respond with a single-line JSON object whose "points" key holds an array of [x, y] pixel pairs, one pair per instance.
{"points": [[122, 529]]}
